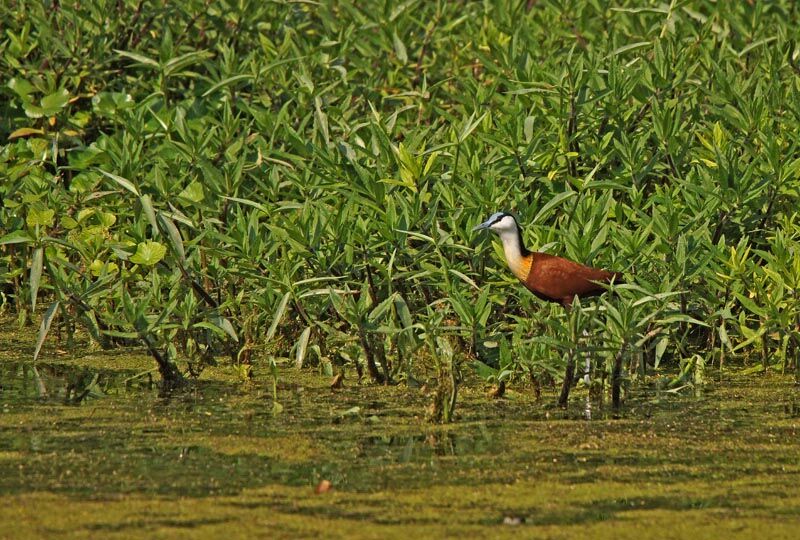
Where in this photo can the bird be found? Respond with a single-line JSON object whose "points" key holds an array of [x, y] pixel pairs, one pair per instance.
{"points": [[549, 277]]}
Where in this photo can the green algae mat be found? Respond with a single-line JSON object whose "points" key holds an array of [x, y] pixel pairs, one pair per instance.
{"points": [[88, 451]]}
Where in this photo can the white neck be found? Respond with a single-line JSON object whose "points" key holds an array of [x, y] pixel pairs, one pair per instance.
{"points": [[513, 252]]}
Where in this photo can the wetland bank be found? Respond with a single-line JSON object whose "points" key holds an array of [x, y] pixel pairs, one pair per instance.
{"points": [[87, 449]]}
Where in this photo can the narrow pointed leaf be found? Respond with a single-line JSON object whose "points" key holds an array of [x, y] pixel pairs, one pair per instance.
{"points": [[225, 325], [174, 236], [302, 347], [276, 318], [552, 203], [36, 274], [44, 327], [149, 212], [124, 182]]}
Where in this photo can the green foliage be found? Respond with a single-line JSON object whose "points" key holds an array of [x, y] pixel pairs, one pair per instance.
{"points": [[302, 179]]}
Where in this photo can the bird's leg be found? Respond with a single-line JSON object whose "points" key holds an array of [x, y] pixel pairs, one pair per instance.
{"points": [[587, 411], [568, 375]]}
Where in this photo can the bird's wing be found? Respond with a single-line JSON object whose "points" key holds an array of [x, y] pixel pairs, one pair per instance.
{"points": [[559, 279]]}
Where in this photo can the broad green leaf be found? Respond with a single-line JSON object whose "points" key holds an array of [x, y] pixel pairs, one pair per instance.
{"points": [[178, 63], [148, 253], [98, 268], [52, 103], [42, 217], [22, 88], [16, 237], [193, 192], [248, 202], [106, 219], [377, 314], [109, 103], [469, 126], [661, 347], [750, 306]]}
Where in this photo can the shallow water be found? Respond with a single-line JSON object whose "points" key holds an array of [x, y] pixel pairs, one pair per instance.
{"points": [[88, 447]]}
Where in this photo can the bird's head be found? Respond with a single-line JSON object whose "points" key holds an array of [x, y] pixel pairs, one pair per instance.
{"points": [[499, 223]]}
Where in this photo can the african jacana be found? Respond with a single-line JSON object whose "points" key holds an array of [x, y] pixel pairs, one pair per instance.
{"points": [[550, 278]]}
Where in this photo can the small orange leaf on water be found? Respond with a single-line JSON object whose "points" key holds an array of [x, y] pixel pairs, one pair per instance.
{"points": [[323, 487]]}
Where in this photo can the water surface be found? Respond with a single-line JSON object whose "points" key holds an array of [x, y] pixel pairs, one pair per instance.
{"points": [[88, 447]]}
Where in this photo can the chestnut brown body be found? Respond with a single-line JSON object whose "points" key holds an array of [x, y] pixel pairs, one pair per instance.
{"points": [[560, 280]]}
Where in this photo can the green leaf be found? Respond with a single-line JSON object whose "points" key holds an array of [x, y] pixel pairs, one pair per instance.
{"points": [[193, 192], [723, 337], [225, 325], [178, 63], [124, 182], [226, 82], [377, 314], [278, 315], [552, 203], [106, 219], [174, 236], [98, 268], [16, 237], [40, 216], [109, 103], [44, 327], [149, 212], [148, 253], [22, 88], [469, 126], [248, 202], [36, 274], [631, 47], [54, 102], [750, 306], [144, 60], [399, 48], [676, 318], [302, 346], [755, 44], [661, 347]]}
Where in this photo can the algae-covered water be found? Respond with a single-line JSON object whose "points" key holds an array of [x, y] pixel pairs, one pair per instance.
{"points": [[88, 449]]}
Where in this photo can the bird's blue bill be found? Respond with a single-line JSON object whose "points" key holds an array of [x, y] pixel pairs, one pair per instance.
{"points": [[486, 224]]}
